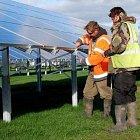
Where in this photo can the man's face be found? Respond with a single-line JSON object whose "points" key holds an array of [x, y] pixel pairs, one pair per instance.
{"points": [[115, 19], [93, 33]]}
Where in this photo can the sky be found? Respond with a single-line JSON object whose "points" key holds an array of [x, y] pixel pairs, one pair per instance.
{"points": [[88, 9]]}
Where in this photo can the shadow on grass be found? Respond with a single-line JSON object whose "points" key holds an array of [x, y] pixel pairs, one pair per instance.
{"points": [[54, 94]]}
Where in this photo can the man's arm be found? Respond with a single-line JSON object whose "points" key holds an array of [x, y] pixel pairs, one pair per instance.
{"points": [[78, 44], [119, 42], [83, 40]]}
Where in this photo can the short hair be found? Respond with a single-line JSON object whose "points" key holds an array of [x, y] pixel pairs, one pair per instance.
{"points": [[116, 11], [92, 25]]}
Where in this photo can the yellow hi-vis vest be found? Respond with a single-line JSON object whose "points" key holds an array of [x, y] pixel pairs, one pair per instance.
{"points": [[130, 58]]}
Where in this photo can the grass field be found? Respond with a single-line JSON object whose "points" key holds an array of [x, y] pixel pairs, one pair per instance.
{"points": [[49, 115]]}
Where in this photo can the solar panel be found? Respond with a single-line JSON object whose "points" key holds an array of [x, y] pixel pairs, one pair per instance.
{"points": [[27, 27], [18, 54], [24, 24]]}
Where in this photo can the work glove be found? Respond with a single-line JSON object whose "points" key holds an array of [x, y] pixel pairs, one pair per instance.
{"points": [[82, 61], [108, 53]]}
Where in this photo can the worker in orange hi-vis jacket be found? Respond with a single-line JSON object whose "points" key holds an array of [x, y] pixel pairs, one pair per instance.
{"points": [[98, 42]]}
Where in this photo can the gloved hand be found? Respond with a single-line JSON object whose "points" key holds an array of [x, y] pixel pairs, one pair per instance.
{"points": [[108, 53], [78, 44], [82, 61]]}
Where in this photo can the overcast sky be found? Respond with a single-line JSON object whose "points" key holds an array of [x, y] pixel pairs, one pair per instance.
{"points": [[87, 9]]}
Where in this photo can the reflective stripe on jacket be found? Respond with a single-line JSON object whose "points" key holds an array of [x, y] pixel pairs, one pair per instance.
{"points": [[131, 56]]}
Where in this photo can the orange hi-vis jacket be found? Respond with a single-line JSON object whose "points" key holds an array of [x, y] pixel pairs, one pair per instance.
{"points": [[96, 57]]}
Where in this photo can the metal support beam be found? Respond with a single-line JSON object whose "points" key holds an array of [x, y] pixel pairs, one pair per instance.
{"points": [[74, 81], [38, 70], [6, 91]]}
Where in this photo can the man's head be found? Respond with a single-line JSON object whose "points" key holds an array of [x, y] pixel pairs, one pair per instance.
{"points": [[116, 14], [92, 28]]}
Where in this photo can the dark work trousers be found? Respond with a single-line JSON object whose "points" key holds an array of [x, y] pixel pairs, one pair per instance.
{"points": [[124, 88]]}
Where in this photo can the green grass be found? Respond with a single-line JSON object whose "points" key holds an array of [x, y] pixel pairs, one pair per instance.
{"points": [[49, 115]]}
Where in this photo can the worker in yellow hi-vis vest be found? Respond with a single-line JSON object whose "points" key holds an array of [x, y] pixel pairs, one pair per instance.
{"points": [[125, 55]]}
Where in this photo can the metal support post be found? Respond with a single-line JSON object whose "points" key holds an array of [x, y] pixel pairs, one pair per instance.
{"points": [[74, 81], [38, 70], [6, 91]]}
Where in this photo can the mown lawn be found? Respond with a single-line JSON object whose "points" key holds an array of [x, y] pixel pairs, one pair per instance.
{"points": [[49, 115]]}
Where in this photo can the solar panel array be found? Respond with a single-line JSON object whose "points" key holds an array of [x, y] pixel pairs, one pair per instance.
{"points": [[24, 24], [26, 28], [31, 26]]}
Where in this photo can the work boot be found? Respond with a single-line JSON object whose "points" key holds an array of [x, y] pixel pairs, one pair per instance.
{"points": [[120, 113], [88, 107], [107, 108], [131, 114]]}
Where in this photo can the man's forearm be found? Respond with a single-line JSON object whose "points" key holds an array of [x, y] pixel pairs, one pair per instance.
{"points": [[115, 50]]}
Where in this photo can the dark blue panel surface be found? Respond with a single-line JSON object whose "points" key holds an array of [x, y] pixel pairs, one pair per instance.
{"points": [[24, 24], [18, 54]]}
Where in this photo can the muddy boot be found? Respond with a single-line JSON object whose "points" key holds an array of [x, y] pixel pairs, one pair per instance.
{"points": [[120, 113], [131, 114], [88, 107], [107, 108]]}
